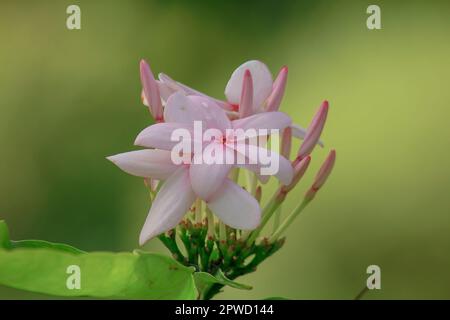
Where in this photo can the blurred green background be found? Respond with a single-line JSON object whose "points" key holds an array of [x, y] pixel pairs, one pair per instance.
{"points": [[70, 98]]}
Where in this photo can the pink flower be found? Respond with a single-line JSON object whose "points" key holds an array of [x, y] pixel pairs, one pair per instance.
{"points": [[181, 111], [263, 92], [263, 85], [185, 182], [233, 205], [154, 93], [249, 91], [246, 102]]}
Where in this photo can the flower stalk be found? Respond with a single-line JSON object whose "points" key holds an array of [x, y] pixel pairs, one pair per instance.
{"points": [[294, 214]]}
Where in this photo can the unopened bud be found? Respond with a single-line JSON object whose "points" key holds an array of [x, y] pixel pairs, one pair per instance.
{"points": [[299, 170], [322, 175], [286, 143], [279, 85], [151, 96], [246, 103], [314, 131]]}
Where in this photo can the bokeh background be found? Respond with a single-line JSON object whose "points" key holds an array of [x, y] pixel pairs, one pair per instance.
{"points": [[70, 98]]}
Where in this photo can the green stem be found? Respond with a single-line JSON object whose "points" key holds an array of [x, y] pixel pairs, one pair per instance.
{"points": [[222, 231], [210, 292], [252, 182], [276, 219], [267, 213], [234, 175], [210, 218], [171, 244], [277, 214], [294, 214], [362, 293]]}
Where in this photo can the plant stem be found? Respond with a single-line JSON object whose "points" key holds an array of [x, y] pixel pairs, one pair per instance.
{"points": [[222, 231], [361, 293], [212, 291], [289, 220], [252, 182], [277, 214], [276, 219], [210, 218], [234, 175], [171, 244], [267, 213]]}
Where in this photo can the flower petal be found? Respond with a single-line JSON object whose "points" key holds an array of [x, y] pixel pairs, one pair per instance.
{"points": [[164, 90], [206, 179], [144, 99], [235, 207], [274, 100], [266, 120], [262, 83], [178, 86], [284, 171], [159, 135], [170, 205], [255, 168], [213, 115], [246, 102], [151, 91], [187, 109], [155, 164], [182, 109]]}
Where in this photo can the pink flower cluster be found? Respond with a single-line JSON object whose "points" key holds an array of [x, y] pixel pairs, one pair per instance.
{"points": [[252, 102]]}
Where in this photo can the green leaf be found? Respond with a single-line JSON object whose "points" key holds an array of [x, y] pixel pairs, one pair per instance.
{"points": [[42, 266], [41, 244], [4, 235], [276, 298], [203, 280], [135, 275], [6, 243]]}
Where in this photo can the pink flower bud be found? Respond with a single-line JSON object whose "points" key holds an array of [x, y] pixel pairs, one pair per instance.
{"points": [[274, 100], [322, 175], [151, 91], [246, 103], [299, 170], [314, 131]]}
